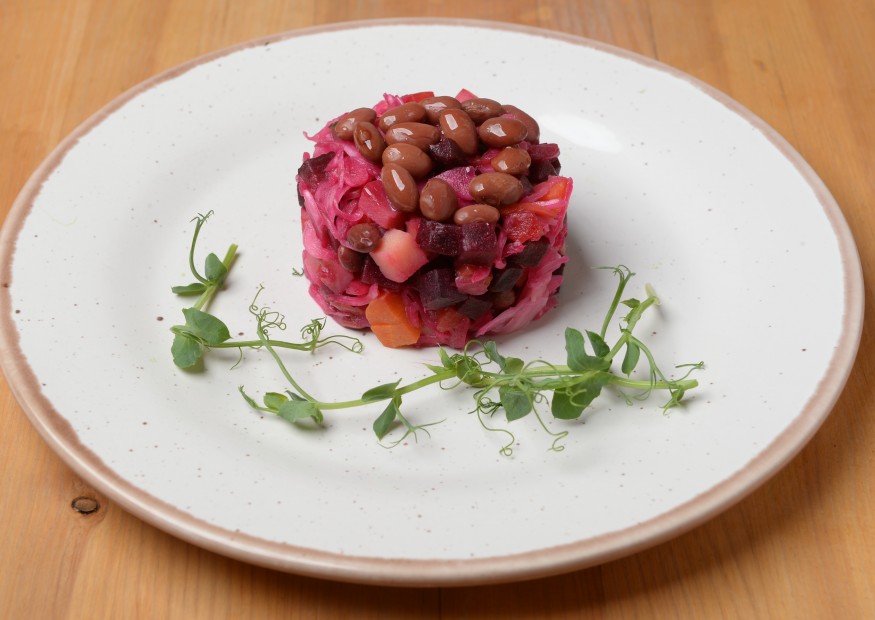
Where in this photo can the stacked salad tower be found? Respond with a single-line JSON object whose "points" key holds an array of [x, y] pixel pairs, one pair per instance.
{"points": [[433, 219]]}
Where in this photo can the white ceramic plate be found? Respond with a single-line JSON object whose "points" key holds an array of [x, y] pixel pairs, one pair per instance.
{"points": [[757, 270]]}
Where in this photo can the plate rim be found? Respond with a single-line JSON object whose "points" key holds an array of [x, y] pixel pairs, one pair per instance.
{"points": [[59, 434]]}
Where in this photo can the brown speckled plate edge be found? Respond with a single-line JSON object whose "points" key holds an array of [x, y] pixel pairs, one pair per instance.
{"points": [[58, 433]]}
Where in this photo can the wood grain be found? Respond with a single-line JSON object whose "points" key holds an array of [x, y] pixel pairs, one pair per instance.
{"points": [[799, 547]]}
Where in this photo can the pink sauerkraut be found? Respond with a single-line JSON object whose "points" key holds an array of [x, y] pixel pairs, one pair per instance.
{"points": [[492, 263]]}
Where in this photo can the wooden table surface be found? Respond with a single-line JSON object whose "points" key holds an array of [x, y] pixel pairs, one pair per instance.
{"points": [[801, 546]]}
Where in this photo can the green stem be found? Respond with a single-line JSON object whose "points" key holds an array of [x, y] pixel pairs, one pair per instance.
{"points": [[624, 278], [252, 344], [197, 231], [640, 384], [630, 325], [404, 389], [207, 296], [266, 344], [638, 311]]}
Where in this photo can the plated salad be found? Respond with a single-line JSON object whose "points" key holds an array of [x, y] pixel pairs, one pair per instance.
{"points": [[433, 219]]}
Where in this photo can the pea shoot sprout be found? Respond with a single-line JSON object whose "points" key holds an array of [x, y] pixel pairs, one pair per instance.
{"points": [[501, 383]]}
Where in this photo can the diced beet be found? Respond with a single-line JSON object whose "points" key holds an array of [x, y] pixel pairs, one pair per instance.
{"points": [[479, 244], [445, 239], [312, 171], [475, 307], [531, 255], [460, 180], [548, 151], [447, 154], [556, 165], [540, 171], [437, 289], [371, 274], [505, 279]]}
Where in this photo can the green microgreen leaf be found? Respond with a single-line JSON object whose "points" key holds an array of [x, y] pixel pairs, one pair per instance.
{"points": [[563, 406], [492, 354], [513, 365], [631, 303], [214, 269], [515, 402], [468, 370], [630, 359], [446, 360], [383, 424], [381, 392], [205, 326], [578, 359], [250, 401], [274, 400], [186, 351], [599, 346], [579, 396], [297, 410], [189, 290]]}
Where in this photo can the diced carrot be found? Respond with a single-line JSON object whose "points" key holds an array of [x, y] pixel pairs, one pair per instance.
{"points": [[389, 321], [557, 191], [546, 211], [417, 96], [522, 226], [385, 309]]}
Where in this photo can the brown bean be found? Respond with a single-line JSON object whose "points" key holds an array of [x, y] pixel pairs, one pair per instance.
{"points": [[400, 188], [480, 109], [412, 159], [496, 188], [350, 259], [434, 105], [458, 127], [363, 237], [420, 135], [476, 213], [410, 112], [368, 141], [502, 131], [438, 200], [512, 160], [343, 127], [532, 127]]}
